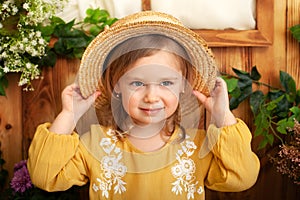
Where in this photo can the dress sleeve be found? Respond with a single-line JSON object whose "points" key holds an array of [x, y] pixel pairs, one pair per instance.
{"points": [[55, 162], [234, 166]]}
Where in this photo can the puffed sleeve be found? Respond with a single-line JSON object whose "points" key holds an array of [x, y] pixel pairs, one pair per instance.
{"points": [[235, 166], [55, 162]]}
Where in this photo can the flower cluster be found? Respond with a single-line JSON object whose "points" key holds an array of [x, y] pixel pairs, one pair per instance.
{"points": [[21, 180], [20, 38], [287, 161]]}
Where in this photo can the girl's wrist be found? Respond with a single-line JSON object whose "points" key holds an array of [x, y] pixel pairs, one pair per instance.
{"points": [[228, 120], [64, 123]]}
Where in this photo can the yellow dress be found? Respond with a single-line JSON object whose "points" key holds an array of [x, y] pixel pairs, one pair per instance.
{"points": [[115, 169]]}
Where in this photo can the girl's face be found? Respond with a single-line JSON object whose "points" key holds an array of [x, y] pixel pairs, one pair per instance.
{"points": [[150, 88]]}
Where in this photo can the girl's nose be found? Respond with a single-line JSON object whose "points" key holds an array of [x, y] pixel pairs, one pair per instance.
{"points": [[151, 93]]}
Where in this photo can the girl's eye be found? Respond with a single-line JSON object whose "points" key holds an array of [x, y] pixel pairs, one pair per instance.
{"points": [[166, 83], [137, 84]]}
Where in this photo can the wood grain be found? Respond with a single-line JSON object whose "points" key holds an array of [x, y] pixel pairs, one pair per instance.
{"points": [[11, 124]]}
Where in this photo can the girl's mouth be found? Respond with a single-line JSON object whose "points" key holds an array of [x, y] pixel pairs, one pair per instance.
{"points": [[151, 111]]}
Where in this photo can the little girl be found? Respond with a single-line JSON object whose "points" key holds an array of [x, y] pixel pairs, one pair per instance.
{"points": [[147, 77]]}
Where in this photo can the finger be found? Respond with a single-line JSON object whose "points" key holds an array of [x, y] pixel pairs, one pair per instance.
{"points": [[202, 98], [92, 98]]}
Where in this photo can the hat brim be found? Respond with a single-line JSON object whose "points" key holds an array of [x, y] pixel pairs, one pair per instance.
{"points": [[143, 23]]}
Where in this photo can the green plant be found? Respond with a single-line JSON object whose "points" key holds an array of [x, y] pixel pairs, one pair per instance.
{"points": [[295, 30], [274, 111], [26, 29], [21, 41]]}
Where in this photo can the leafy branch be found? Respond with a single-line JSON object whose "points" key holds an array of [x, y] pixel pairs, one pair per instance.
{"points": [[274, 111], [70, 40]]}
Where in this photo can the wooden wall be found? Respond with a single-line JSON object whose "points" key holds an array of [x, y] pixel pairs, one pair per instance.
{"points": [[21, 112]]}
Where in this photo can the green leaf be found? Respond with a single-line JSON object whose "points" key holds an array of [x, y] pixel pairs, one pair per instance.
{"points": [[296, 113], [231, 84], [64, 30], [288, 83], [236, 92], [244, 92], [297, 99], [256, 100], [270, 139], [78, 52], [271, 105], [279, 98], [262, 144], [110, 21], [255, 75], [295, 30], [75, 42], [283, 124], [60, 47], [262, 124], [57, 20], [3, 84], [95, 30], [48, 60], [241, 74], [95, 16], [295, 110]]}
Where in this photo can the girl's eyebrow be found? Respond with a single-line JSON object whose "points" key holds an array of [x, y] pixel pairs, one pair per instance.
{"points": [[146, 78]]}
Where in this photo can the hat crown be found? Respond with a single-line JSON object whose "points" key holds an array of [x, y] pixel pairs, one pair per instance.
{"points": [[148, 17]]}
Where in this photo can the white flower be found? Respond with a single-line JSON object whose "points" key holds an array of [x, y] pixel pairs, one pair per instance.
{"points": [[6, 69], [190, 145], [33, 43], [15, 10], [188, 165], [120, 170], [109, 162], [1, 26], [38, 34], [200, 190], [26, 6], [28, 65], [177, 171], [107, 145]]}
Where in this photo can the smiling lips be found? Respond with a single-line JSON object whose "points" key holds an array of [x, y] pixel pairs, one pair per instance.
{"points": [[151, 111]]}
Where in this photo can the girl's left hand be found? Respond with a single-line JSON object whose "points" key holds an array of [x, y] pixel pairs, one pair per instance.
{"points": [[218, 104]]}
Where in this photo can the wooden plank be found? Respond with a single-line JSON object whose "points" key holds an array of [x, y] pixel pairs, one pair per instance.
{"points": [[222, 38], [11, 124], [293, 46]]}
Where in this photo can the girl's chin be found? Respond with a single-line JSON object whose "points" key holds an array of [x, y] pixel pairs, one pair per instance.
{"points": [[148, 122]]}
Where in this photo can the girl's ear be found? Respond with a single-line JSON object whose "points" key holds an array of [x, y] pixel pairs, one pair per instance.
{"points": [[183, 85], [117, 88]]}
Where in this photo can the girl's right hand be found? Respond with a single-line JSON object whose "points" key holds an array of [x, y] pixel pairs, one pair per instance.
{"points": [[73, 101], [74, 105]]}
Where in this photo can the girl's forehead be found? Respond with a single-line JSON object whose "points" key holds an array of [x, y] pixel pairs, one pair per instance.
{"points": [[152, 73], [162, 58]]}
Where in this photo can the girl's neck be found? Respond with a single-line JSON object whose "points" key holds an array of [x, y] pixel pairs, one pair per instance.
{"points": [[149, 144], [148, 138]]}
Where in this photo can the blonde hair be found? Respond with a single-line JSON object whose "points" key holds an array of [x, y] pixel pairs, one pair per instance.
{"points": [[119, 61]]}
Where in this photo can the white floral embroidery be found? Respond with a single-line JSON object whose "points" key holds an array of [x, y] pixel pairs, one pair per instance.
{"points": [[113, 168], [184, 171]]}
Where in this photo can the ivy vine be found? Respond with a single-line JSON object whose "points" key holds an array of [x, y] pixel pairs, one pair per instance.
{"points": [[273, 111]]}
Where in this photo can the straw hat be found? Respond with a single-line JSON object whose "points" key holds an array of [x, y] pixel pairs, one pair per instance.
{"points": [[142, 23]]}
